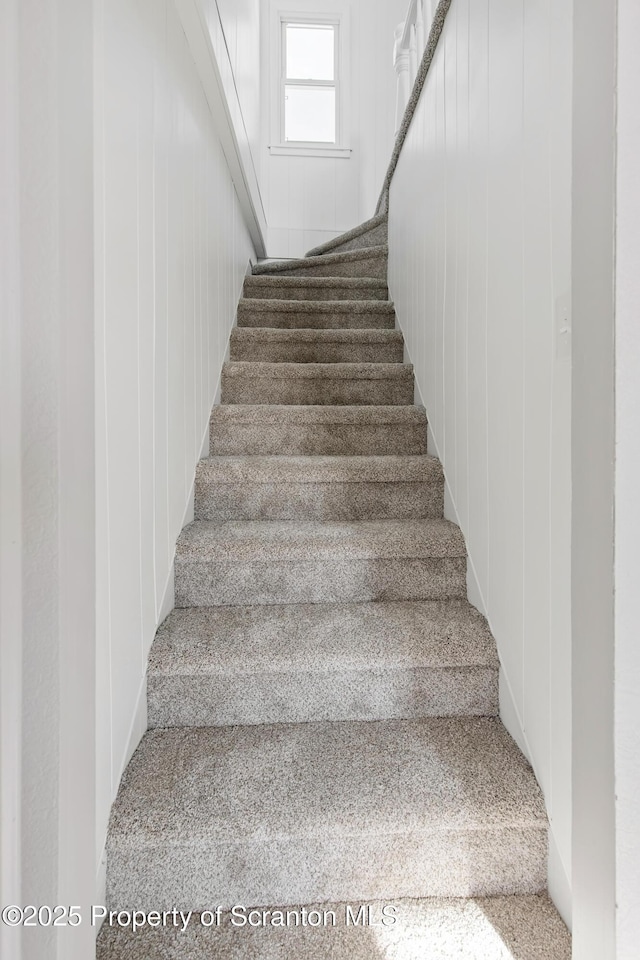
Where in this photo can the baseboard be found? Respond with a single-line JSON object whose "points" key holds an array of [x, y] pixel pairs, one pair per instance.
{"points": [[101, 886], [509, 713], [138, 726], [558, 881], [169, 596], [218, 391]]}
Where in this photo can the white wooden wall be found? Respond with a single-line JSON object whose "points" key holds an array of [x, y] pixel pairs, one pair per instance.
{"points": [[47, 548], [627, 512], [241, 24], [479, 271], [309, 200], [172, 251]]}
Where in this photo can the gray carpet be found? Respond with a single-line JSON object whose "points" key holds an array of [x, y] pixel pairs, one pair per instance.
{"points": [[323, 700], [496, 928]]}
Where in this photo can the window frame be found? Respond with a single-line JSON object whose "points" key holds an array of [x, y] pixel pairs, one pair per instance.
{"points": [[314, 148], [334, 84]]}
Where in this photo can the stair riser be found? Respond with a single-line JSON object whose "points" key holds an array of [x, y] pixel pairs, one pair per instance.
{"points": [[374, 694], [299, 352], [337, 580], [317, 440], [317, 501], [319, 320], [290, 870], [318, 391], [276, 291], [374, 267]]}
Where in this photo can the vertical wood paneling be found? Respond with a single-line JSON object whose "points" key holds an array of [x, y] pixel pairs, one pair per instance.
{"points": [[309, 200], [462, 259], [477, 318], [537, 379], [504, 305], [479, 252], [122, 435], [174, 251]]}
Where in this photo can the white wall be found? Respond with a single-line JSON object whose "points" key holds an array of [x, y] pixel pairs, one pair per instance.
{"points": [[171, 254], [224, 40], [592, 457], [479, 271], [46, 470], [309, 200], [627, 511], [241, 25]]}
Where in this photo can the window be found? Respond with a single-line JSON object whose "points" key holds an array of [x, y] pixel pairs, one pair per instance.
{"points": [[309, 87]]}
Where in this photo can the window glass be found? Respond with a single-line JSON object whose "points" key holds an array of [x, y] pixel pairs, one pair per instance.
{"points": [[309, 51], [310, 114]]}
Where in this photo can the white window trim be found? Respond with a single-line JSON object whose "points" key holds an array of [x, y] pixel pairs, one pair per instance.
{"points": [[312, 150], [279, 146]]}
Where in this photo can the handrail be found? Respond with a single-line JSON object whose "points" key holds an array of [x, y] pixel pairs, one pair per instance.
{"points": [[410, 41], [408, 37]]}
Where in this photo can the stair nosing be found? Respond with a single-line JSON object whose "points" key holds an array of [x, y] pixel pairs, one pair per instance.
{"points": [[472, 645], [260, 469], [432, 813], [378, 252], [274, 305], [289, 541], [322, 335], [277, 413], [288, 370], [329, 282]]}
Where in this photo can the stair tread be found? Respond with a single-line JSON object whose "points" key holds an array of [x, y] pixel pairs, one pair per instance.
{"points": [[365, 283], [321, 638], [288, 540], [312, 335], [315, 413], [255, 370], [320, 469], [446, 929], [200, 786], [329, 259], [272, 305]]}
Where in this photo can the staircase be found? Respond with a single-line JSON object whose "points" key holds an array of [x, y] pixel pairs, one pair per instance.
{"points": [[323, 700]]}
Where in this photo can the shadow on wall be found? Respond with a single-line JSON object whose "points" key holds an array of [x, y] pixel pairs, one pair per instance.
{"points": [[495, 928]]}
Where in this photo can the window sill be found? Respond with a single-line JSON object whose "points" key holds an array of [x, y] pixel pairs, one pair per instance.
{"points": [[288, 150]]}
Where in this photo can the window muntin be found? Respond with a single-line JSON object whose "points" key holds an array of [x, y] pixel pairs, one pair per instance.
{"points": [[309, 96]]}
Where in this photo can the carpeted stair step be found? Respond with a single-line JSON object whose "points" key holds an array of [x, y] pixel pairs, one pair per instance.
{"points": [[318, 488], [241, 429], [317, 383], [299, 813], [243, 562], [212, 666], [371, 233], [317, 314], [478, 928], [368, 262], [316, 346], [286, 287]]}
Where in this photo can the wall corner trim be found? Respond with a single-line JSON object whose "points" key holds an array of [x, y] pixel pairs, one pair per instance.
{"points": [[209, 51]]}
